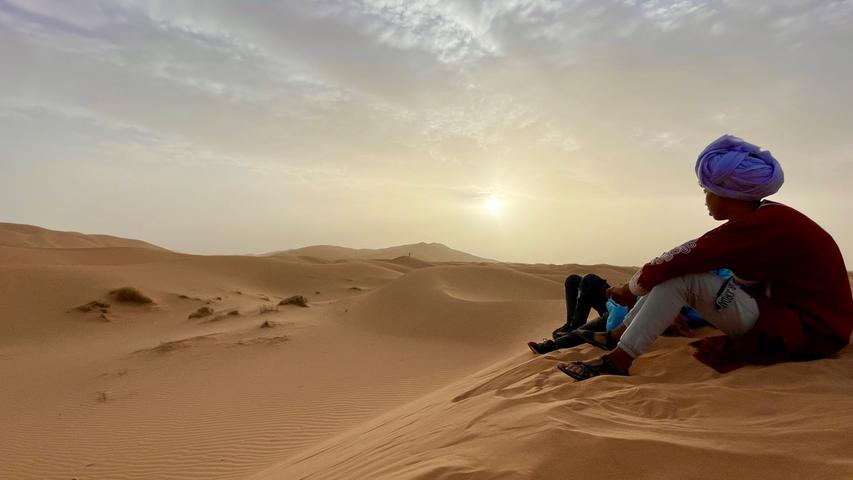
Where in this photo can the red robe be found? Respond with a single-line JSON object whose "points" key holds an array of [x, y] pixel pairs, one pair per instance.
{"points": [[804, 297]]}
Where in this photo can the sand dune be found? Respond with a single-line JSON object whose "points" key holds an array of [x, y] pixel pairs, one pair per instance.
{"points": [[143, 391], [18, 235], [81, 256], [428, 252], [459, 303], [399, 368], [411, 262]]}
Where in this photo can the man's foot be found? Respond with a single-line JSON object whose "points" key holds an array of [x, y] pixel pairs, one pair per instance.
{"points": [[585, 370], [562, 331], [542, 347]]}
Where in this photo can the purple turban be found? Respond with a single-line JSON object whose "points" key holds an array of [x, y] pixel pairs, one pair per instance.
{"points": [[733, 168]]}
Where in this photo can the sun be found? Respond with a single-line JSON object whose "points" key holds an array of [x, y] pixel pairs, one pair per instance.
{"points": [[494, 205]]}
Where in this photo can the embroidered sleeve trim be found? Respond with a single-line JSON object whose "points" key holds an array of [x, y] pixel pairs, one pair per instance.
{"points": [[668, 256], [634, 284]]}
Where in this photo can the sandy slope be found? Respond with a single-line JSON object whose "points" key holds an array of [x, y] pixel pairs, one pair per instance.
{"points": [[400, 368], [145, 392], [521, 418]]}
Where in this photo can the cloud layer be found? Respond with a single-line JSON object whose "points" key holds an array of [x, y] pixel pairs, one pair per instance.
{"points": [[224, 126]]}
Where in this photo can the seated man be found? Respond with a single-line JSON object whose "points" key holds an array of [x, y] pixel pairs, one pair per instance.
{"points": [[789, 298], [583, 294], [587, 293]]}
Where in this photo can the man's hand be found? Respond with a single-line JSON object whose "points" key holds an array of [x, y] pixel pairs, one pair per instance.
{"points": [[622, 295]]}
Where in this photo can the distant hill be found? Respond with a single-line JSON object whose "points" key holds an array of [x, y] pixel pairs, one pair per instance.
{"points": [[18, 235], [429, 252]]}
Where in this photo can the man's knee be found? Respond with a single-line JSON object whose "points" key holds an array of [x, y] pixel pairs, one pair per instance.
{"points": [[573, 281], [592, 284]]}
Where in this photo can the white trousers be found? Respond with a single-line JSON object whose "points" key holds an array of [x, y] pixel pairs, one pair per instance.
{"points": [[656, 311]]}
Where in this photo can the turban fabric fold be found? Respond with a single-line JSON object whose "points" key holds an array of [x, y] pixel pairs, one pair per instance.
{"points": [[733, 168]]}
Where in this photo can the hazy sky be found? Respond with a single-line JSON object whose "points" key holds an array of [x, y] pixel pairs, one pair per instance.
{"points": [[521, 130]]}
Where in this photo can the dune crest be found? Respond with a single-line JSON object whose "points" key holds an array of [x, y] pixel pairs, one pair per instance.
{"points": [[19, 235]]}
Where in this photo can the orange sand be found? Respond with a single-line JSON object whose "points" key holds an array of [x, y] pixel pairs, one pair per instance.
{"points": [[401, 368]]}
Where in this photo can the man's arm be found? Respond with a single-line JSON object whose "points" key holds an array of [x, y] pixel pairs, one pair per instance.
{"points": [[723, 247]]}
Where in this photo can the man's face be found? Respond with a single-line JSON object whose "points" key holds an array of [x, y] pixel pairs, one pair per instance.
{"points": [[715, 204]]}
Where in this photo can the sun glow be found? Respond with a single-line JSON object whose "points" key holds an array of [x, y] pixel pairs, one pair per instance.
{"points": [[494, 205]]}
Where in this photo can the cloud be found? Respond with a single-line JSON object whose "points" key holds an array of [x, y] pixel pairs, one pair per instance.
{"points": [[540, 99], [465, 73], [73, 18]]}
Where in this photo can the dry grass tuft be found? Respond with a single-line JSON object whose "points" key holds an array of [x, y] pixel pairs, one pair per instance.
{"points": [[201, 313], [295, 300], [130, 295]]}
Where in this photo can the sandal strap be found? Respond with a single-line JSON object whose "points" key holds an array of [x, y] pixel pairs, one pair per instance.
{"points": [[611, 368], [587, 370]]}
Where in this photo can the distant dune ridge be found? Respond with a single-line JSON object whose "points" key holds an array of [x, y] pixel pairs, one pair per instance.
{"points": [[402, 368], [429, 252], [18, 235]]}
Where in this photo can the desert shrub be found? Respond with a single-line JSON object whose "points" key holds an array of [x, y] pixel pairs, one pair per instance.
{"points": [[130, 295], [295, 300], [202, 312]]}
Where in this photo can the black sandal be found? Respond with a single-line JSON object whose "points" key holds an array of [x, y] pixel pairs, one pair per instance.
{"points": [[589, 370], [564, 330], [588, 336], [543, 347]]}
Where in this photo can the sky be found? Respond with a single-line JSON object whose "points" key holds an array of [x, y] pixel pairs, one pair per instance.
{"points": [[519, 130]]}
